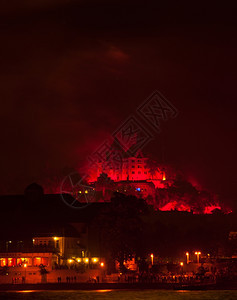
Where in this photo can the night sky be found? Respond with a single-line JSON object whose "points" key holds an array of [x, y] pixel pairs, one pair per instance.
{"points": [[72, 71]]}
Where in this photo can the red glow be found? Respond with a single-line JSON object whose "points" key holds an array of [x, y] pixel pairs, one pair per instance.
{"points": [[175, 206], [157, 184], [209, 209]]}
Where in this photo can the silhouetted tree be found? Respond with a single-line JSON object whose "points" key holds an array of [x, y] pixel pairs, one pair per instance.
{"points": [[121, 227]]}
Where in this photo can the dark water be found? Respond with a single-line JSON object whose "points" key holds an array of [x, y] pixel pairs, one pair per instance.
{"points": [[115, 294]]}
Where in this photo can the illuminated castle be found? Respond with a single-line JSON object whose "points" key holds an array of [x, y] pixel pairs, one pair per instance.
{"points": [[131, 168], [131, 173], [119, 171]]}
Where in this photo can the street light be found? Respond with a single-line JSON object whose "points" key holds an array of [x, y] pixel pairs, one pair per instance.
{"points": [[55, 238], [25, 266], [86, 260], [181, 265], [152, 258], [187, 254], [198, 254]]}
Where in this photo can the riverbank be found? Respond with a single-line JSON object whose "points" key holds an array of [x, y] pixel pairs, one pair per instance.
{"points": [[117, 286]]}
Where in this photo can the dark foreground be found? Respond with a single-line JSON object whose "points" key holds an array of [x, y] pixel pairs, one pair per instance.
{"points": [[118, 295], [118, 286]]}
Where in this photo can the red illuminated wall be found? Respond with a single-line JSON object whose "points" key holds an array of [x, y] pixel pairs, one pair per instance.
{"points": [[131, 169]]}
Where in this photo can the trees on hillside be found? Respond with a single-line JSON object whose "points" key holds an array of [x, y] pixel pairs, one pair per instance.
{"points": [[121, 228]]}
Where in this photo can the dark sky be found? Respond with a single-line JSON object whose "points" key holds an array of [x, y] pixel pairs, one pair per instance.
{"points": [[72, 71]]}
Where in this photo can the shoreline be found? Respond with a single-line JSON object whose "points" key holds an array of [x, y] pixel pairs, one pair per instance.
{"points": [[114, 286]]}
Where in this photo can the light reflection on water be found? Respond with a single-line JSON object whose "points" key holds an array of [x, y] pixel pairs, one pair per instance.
{"points": [[119, 294]]}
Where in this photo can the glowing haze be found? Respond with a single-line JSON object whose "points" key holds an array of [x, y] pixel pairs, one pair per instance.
{"points": [[72, 71]]}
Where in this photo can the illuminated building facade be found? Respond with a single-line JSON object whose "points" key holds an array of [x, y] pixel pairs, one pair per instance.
{"points": [[31, 259], [129, 168], [46, 250]]}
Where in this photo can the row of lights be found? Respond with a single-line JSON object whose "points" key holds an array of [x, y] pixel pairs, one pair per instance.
{"points": [[86, 260], [198, 253]]}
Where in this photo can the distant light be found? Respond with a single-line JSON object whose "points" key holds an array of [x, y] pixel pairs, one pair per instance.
{"points": [[86, 260], [181, 263], [70, 261], [152, 257], [102, 264], [95, 259], [25, 265], [86, 192], [55, 238], [78, 259], [10, 242], [138, 189], [33, 240], [79, 192]]}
